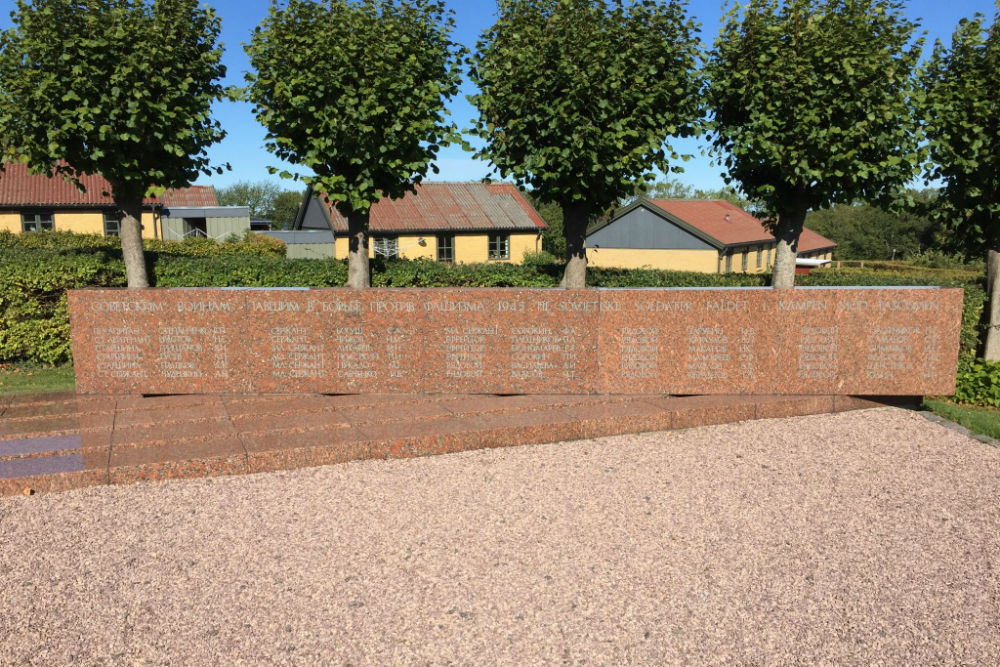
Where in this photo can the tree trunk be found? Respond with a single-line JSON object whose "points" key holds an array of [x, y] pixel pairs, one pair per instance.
{"points": [[991, 352], [575, 219], [787, 233], [358, 270], [130, 233]]}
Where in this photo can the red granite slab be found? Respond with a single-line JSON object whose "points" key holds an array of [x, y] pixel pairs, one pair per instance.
{"points": [[38, 399], [680, 341], [220, 456], [53, 482], [26, 427], [899, 341], [512, 341], [301, 450], [691, 411], [141, 450], [163, 341], [768, 407], [820, 341]]}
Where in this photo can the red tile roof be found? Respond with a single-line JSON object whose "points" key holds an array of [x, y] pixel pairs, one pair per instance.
{"points": [[20, 188], [450, 207], [731, 225], [810, 240]]}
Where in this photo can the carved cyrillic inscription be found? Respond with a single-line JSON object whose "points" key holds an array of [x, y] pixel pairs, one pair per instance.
{"points": [[398, 352], [356, 356], [817, 352], [541, 351], [849, 340], [118, 351], [295, 354], [193, 352], [929, 359], [465, 350]]}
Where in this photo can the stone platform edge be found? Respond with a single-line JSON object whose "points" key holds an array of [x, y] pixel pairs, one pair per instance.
{"points": [[107, 455]]}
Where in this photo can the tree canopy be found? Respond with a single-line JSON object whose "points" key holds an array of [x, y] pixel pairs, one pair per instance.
{"points": [[355, 92], [812, 105], [258, 196], [577, 99], [963, 128], [120, 88]]}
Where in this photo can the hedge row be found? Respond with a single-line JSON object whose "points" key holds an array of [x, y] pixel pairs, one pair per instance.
{"points": [[33, 282], [248, 245]]}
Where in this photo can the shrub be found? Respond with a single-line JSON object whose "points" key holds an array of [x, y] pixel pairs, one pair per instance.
{"points": [[247, 245], [938, 259], [978, 383], [37, 269]]}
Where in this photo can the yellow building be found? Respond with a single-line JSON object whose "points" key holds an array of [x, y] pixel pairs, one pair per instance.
{"points": [[710, 236], [36, 203], [446, 222]]}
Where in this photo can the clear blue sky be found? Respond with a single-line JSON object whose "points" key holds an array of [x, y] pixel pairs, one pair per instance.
{"points": [[244, 149]]}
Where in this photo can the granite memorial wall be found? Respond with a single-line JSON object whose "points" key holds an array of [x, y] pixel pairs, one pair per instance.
{"points": [[862, 341]]}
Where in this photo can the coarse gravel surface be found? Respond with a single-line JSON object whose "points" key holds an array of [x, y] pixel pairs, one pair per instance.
{"points": [[856, 538]]}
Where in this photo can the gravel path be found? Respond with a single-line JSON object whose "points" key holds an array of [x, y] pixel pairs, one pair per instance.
{"points": [[863, 537]]}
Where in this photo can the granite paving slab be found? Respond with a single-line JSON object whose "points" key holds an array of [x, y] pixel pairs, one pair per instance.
{"points": [[61, 441]]}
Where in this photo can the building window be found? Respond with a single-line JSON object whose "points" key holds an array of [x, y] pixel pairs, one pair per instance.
{"points": [[760, 255], [746, 255], [386, 246], [729, 262], [770, 256], [111, 224], [446, 247], [499, 247], [37, 222]]}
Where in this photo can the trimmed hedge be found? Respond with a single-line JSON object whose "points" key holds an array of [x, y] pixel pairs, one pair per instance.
{"points": [[249, 245], [37, 269]]}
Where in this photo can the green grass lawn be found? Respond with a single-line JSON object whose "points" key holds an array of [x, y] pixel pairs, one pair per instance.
{"points": [[985, 421], [30, 379]]}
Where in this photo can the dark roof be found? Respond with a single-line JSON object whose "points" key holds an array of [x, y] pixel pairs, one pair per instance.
{"points": [[727, 223], [718, 222], [449, 207], [810, 241], [20, 188]]}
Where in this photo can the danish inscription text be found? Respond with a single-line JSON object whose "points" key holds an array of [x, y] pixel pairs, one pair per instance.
{"points": [[873, 340], [818, 352]]}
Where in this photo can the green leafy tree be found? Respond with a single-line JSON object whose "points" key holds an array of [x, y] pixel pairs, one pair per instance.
{"points": [[578, 97], [862, 231], [963, 128], [258, 196], [283, 209], [356, 93], [120, 88], [811, 106], [553, 239]]}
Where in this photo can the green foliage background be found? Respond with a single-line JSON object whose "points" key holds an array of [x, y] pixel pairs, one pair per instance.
{"points": [[121, 88], [355, 92], [576, 97], [37, 269], [963, 127], [812, 101]]}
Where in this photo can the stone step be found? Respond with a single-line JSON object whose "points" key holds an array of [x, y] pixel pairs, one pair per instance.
{"points": [[70, 442]]}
